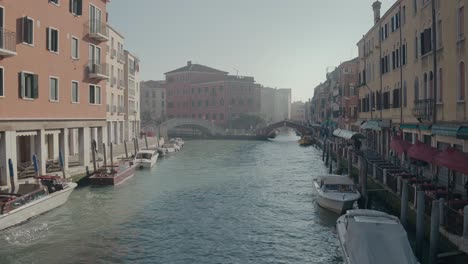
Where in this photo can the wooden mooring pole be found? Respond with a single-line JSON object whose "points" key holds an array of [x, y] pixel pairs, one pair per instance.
{"points": [[419, 223], [404, 204], [126, 150], [434, 237], [104, 151]]}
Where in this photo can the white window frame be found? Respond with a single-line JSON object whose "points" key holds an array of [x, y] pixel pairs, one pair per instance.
{"points": [[28, 98], [58, 89], [33, 32], [52, 2], [95, 93], [49, 40], [73, 11], [77, 92], [2, 95], [77, 48]]}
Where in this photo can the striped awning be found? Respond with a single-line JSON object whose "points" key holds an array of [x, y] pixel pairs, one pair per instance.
{"points": [[445, 130], [462, 133], [346, 134], [372, 125], [52, 132], [409, 126]]}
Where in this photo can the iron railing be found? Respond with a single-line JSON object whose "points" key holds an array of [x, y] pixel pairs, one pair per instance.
{"points": [[7, 40], [423, 109], [101, 69], [97, 29]]}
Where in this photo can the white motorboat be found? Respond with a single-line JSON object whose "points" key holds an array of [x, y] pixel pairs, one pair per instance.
{"points": [[179, 141], [33, 199], [336, 193], [146, 158], [369, 237], [167, 148]]}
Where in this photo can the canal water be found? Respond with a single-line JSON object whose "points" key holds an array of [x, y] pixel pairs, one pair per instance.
{"points": [[213, 202]]}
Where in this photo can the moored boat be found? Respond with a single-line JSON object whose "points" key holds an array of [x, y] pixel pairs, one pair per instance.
{"points": [[33, 199], [178, 141], [146, 158], [336, 193], [168, 148], [369, 237], [305, 140], [114, 174]]}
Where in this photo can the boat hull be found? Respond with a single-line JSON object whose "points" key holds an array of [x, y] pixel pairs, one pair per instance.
{"points": [[115, 179], [338, 203], [35, 208], [147, 164]]}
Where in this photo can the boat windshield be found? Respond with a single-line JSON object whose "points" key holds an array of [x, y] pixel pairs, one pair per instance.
{"points": [[20, 201], [342, 188], [144, 156]]}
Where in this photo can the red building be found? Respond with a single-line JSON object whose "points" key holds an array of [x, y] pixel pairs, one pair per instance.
{"points": [[200, 92]]}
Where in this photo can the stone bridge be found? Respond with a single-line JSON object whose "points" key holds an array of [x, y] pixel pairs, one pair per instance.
{"points": [[203, 125], [266, 132]]}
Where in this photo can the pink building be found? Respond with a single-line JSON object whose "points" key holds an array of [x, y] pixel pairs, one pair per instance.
{"points": [[52, 80], [200, 92], [348, 79]]}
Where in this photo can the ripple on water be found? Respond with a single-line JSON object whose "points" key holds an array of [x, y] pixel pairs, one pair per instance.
{"points": [[213, 202]]}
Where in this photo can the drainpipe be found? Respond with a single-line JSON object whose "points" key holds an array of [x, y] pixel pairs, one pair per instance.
{"points": [[434, 52]]}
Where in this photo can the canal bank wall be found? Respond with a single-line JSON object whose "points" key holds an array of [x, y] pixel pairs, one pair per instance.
{"points": [[383, 190]]}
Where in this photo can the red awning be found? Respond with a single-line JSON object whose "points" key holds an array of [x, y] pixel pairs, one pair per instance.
{"points": [[453, 159], [421, 151], [400, 146]]}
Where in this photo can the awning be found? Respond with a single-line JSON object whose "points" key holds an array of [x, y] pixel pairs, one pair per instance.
{"points": [[445, 130], [409, 126], [346, 134], [26, 133], [462, 133], [424, 126], [421, 151], [372, 125], [453, 159], [400, 146]]}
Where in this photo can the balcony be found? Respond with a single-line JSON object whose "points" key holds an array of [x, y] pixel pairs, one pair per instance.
{"points": [[113, 53], [98, 71], [423, 109], [122, 84], [7, 43], [121, 57], [113, 81], [97, 30], [131, 92]]}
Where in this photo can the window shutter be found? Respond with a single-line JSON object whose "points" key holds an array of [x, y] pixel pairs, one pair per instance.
{"points": [[71, 5], [24, 34], [422, 40], [22, 88], [35, 88], [79, 10], [48, 37]]}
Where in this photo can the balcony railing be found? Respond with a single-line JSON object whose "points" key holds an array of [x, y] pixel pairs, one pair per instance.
{"points": [[423, 109], [97, 30], [98, 71], [7, 43]]}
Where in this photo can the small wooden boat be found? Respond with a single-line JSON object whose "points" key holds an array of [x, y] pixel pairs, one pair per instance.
{"points": [[306, 140], [33, 199], [368, 237], [336, 193], [114, 174], [146, 158]]}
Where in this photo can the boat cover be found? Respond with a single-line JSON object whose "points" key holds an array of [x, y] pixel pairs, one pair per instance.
{"points": [[383, 242], [332, 179]]}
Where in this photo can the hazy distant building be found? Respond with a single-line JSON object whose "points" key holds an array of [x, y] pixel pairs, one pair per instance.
{"points": [[153, 101], [200, 92], [275, 104], [132, 95], [298, 112]]}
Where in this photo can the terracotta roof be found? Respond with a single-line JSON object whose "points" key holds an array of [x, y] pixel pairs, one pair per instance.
{"points": [[196, 68]]}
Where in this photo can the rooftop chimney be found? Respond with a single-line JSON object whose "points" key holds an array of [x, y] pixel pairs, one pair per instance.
{"points": [[189, 63], [376, 7]]}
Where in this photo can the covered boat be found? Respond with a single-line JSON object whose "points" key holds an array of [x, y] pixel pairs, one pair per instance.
{"points": [[146, 158], [336, 193], [113, 174], [369, 237], [33, 199]]}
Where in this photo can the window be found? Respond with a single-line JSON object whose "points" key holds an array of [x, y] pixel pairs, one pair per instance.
{"points": [[461, 22], [74, 92], [396, 98], [94, 94], [415, 6], [431, 86], [2, 84], [75, 49], [28, 30], [461, 81], [53, 89], [426, 41], [405, 94], [416, 89], [416, 47], [425, 86], [440, 93], [386, 100], [29, 85], [55, 2], [53, 40], [403, 54], [439, 33], [403, 15]]}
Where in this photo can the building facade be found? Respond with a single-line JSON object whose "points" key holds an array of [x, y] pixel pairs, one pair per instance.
{"points": [[298, 112], [116, 87], [56, 107], [200, 92], [132, 95], [153, 101], [275, 104]]}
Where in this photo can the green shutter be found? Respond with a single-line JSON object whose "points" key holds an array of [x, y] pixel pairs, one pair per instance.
{"points": [[80, 7], [22, 89], [35, 88]]}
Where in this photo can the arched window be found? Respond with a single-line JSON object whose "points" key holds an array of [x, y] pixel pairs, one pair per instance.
{"points": [[425, 86], [461, 81], [440, 89], [431, 86], [416, 89]]}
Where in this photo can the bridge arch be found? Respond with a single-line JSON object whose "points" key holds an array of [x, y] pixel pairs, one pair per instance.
{"points": [[269, 130], [204, 125]]}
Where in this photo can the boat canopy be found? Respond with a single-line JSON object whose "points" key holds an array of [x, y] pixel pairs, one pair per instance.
{"points": [[347, 135], [332, 179], [377, 239]]}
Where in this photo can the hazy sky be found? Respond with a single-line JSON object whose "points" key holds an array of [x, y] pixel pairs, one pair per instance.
{"points": [[282, 43]]}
